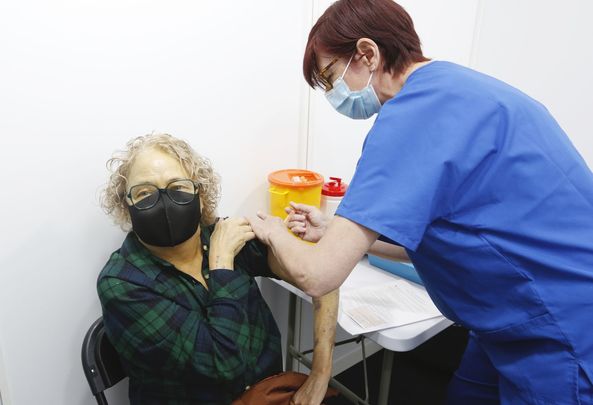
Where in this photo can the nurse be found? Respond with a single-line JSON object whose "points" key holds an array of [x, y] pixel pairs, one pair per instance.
{"points": [[483, 189]]}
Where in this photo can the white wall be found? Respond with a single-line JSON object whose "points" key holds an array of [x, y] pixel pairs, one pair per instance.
{"points": [[3, 384], [81, 77], [544, 48]]}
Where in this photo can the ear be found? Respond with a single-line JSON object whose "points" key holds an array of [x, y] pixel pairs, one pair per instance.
{"points": [[367, 51]]}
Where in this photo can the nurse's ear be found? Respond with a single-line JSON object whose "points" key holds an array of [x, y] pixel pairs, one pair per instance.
{"points": [[367, 52]]}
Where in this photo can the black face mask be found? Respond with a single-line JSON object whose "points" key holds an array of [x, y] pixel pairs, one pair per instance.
{"points": [[167, 223]]}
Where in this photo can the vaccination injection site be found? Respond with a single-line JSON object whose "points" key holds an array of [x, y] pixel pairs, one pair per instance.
{"points": [[337, 202]]}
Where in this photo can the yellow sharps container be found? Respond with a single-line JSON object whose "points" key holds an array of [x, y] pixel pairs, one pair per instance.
{"points": [[298, 185]]}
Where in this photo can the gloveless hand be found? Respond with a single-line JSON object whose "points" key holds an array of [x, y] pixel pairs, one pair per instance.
{"points": [[306, 221], [228, 238], [264, 225]]}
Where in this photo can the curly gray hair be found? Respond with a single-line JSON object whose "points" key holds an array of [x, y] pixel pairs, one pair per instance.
{"points": [[113, 198]]}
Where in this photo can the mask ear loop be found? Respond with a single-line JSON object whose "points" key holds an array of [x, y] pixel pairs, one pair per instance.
{"points": [[347, 66], [370, 77]]}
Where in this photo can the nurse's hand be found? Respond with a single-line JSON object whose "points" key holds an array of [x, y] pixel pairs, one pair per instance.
{"points": [[306, 221], [264, 225]]}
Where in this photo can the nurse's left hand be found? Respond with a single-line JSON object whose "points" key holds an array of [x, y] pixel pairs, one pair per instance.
{"points": [[264, 225]]}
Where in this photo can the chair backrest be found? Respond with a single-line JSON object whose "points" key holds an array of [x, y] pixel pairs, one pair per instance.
{"points": [[100, 361]]}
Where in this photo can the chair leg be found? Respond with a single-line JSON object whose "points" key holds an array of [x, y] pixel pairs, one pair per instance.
{"points": [[101, 400]]}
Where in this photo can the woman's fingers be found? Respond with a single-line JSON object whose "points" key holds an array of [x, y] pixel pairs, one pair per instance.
{"points": [[246, 230], [238, 221], [234, 232], [240, 224]]}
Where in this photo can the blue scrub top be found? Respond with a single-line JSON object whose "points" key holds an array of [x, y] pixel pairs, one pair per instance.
{"points": [[495, 207]]}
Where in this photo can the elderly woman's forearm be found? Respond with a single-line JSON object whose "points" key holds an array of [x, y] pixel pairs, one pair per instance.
{"points": [[326, 318]]}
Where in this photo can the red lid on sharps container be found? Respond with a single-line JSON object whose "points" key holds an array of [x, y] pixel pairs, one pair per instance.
{"points": [[334, 188]]}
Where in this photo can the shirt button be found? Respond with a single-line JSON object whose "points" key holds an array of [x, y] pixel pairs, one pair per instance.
{"points": [[207, 276], [247, 387], [205, 247]]}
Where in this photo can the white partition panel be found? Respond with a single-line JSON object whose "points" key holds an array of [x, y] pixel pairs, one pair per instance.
{"points": [[543, 47], [3, 383], [81, 77]]}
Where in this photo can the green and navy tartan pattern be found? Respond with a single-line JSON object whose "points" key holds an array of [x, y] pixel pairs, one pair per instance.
{"points": [[180, 343]]}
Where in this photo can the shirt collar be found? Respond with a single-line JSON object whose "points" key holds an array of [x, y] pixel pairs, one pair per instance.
{"points": [[140, 257]]}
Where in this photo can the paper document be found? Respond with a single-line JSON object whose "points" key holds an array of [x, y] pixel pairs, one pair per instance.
{"points": [[382, 306]]}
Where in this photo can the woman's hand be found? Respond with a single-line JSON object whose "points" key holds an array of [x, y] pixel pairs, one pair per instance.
{"points": [[312, 391], [228, 238], [306, 221]]}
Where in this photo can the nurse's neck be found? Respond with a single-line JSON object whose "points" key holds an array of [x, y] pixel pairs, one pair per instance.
{"points": [[389, 85]]}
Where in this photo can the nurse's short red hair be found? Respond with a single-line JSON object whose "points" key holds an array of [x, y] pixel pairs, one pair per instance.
{"points": [[346, 21]]}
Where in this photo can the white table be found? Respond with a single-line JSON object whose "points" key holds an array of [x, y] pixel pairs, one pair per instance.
{"points": [[399, 339]]}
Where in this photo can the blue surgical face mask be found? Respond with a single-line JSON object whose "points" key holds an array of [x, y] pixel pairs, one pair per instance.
{"points": [[360, 104]]}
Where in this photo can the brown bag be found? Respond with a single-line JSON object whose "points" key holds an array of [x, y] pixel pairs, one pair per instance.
{"points": [[276, 390]]}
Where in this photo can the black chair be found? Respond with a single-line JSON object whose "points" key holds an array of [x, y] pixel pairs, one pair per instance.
{"points": [[100, 361]]}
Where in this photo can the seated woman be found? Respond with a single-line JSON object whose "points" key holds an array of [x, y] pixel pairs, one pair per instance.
{"points": [[179, 300]]}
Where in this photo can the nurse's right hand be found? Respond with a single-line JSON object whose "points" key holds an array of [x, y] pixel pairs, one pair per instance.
{"points": [[306, 221]]}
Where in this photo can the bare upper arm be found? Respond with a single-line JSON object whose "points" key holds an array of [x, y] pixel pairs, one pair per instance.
{"points": [[335, 255], [278, 269], [322, 267], [390, 251]]}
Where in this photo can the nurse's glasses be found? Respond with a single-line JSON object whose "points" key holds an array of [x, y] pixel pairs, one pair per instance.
{"points": [[323, 79]]}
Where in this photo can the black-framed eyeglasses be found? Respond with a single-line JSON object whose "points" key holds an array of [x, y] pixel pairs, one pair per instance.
{"points": [[146, 195], [326, 84]]}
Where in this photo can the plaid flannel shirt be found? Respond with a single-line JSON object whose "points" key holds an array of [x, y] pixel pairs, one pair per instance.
{"points": [[179, 342]]}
